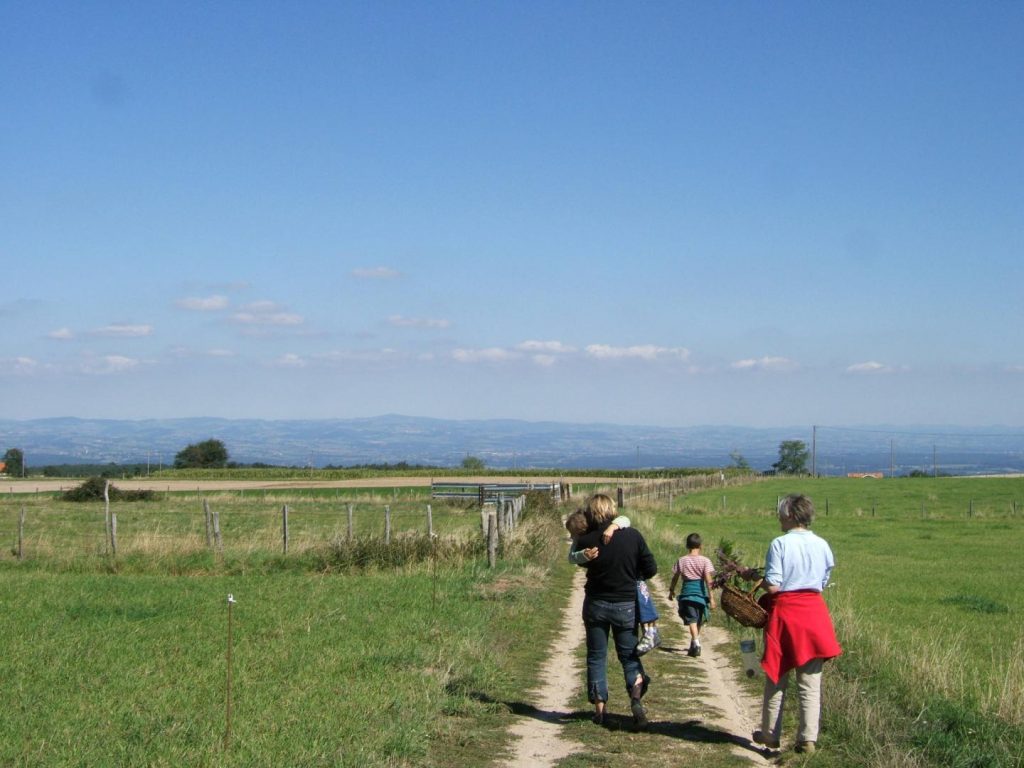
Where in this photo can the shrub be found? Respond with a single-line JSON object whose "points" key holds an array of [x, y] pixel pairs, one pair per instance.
{"points": [[93, 488]]}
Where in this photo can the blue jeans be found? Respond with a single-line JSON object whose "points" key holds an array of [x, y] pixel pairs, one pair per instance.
{"points": [[619, 619]]}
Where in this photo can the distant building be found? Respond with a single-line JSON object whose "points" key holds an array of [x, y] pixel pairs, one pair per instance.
{"points": [[875, 475], [3, 467]]}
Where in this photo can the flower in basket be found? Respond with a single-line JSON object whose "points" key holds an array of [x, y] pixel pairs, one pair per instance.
{"points": [[732, 571]]}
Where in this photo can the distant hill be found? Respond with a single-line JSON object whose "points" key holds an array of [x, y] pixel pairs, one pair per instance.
{"points": [[506, 443]]}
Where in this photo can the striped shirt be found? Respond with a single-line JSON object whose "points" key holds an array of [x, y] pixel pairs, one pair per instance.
{"points": [[693, 567]]}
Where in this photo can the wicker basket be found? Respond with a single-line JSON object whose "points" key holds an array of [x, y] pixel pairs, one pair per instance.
{"points": [[743, 607]]}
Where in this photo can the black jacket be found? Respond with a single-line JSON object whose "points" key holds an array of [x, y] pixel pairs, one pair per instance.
{"points": [[619, 565]]}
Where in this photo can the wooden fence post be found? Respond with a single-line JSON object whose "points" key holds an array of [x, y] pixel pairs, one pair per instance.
{"points": [[216, 531], [387, 523], [483, 522], [113, 534], [284, 527], [492, 539], [350, 522], [21, 535], [621, 499], [430, 521], [209, 532], [106, 515]]}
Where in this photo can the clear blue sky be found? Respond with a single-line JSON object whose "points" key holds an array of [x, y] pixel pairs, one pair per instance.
{"points": [[671, 213]]}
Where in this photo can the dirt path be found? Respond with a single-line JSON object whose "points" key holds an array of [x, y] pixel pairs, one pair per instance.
{"points": [[538, 740]]}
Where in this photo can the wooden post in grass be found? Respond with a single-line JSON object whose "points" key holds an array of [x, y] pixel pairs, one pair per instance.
{"points": [[106, 515], [620, 501], [209, 522], [216, 531], [21, 535], [387, 523], [350, 522], [430, 521], [113, 534], [483, 522], [826, 506], [970, 509], [492, 539], [284, 527]]}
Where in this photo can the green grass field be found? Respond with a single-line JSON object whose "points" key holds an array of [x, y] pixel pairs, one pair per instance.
{"points": [[420, 665], [924, 598], [355, 667]]}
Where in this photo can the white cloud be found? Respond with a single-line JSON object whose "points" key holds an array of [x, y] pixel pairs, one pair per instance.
{"points": [[61, 334], [109, 364], [203, 304], [869, 367], [22, 366], [376, 273], [123, 330], [266, 313], [546, 347], [767, 363], [290, 360], [381, 355], [646, 352], [399, 321], [545, 361], [488, 355]]}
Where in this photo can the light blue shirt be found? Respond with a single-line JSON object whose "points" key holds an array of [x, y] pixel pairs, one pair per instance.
{"points": [[799, 559]]}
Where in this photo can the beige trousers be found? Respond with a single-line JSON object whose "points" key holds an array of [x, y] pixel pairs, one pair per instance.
{"points": [[808, 687]]}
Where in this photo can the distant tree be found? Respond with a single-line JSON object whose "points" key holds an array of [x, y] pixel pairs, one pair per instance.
{"points": [[473, 464], [209, 454], [15, 461], [738, 462], [793, 455]]}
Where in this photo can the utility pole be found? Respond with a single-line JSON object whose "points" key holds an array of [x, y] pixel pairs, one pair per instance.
{"points": [[814, 451], [891, 462]]}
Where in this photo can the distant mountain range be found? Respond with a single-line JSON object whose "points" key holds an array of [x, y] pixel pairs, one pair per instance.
{"points": [[504, 443]]}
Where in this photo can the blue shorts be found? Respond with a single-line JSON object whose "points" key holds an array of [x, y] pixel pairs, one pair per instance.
{"points": [[691, 613]]}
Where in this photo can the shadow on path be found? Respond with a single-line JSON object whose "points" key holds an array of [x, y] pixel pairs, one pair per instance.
{"points": [[691, 730]]}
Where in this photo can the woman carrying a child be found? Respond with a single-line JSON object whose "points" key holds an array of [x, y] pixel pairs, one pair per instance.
{"points": [[609, 606]]}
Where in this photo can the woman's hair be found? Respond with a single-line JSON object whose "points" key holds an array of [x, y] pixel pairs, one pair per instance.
{"points": [[576, 523], [600, 510], [694, 541], [797, 508]]}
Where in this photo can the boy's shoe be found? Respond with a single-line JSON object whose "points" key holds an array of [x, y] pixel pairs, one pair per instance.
{"points": [[693, 651], [650, 641]]}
